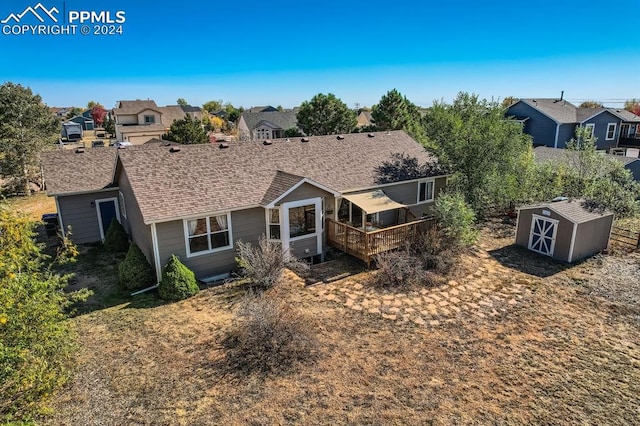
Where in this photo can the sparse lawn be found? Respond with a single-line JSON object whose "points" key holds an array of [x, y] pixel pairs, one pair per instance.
{"points": [[35, 205], [568, 354]]}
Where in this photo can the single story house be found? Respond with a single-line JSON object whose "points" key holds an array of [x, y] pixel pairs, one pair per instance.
{"points": [[552, 122], [266, 124], [197, 201], [543, 154], [563, 229]]}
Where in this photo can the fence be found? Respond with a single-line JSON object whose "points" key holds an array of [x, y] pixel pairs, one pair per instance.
{"points": [[626, 238]]}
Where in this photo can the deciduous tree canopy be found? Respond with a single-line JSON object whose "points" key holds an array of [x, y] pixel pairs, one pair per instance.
{"points": [[27, 128]]}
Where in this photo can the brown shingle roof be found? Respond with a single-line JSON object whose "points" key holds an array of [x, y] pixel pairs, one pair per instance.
{"points": [[201, 179], [171, 114], [72, 171], [280, 184], [572, 209], [134, 107]]}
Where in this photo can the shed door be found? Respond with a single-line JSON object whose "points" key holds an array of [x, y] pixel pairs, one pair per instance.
{"points": [[543, 234]]}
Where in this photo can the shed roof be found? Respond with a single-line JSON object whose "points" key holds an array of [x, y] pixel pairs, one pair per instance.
{"points": [[574, 210]]}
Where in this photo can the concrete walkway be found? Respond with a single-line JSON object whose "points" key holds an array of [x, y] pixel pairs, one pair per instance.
{"points": [[490, 291]]}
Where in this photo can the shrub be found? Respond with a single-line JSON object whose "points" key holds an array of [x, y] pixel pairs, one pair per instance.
{"points": [[116, 240], [403, 269], [36, 341], [455, 220], [263, 265], [269, 336], [135, 271], [178, 281]]}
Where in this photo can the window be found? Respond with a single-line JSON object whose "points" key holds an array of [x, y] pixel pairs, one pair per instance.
{"points": [[302, 220], [591, 128], [149, 119], [625, 130], [273, 218], [611, 131], [123, 210], [425, 191], [208, 234]]}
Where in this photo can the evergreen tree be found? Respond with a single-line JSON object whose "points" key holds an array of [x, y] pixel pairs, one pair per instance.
{"points": [[325, 115], [187, 131]]}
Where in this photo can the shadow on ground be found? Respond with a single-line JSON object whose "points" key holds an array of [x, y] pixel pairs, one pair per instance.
{"points": [[523, 260]]}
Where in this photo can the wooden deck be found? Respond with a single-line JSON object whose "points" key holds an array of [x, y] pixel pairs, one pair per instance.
{"points": [[366, 245]]}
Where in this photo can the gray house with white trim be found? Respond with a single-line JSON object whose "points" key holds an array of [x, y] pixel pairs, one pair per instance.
{"points": [[198, 201], [553, 122]]}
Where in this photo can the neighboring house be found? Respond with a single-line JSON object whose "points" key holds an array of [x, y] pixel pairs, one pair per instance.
{"points": [[86, 123], [266, 125], [267, 108], [198, 201], [140, 121], [543, 154], [60, 112], [553, 122], [365, 119]]}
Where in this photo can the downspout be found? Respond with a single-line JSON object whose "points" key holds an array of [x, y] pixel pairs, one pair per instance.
{"points": [[156, 261], [555, 144]]}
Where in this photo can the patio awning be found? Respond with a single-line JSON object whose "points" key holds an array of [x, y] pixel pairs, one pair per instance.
{"points": [[373, 201]]}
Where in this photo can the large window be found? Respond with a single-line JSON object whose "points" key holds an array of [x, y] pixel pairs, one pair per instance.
{"points": [[208, 234], [302, 220], [611, 131], [149, 119], [425, 191], [273, 217]]}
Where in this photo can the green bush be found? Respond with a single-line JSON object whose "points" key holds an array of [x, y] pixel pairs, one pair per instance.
{"points": [[455, 220], [135, 271], [36, 340], [116, 240], [178, 281]]}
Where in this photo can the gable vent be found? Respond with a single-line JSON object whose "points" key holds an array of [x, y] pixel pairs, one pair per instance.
{"points": [[340, 137], [267, 142], [79, 150], [174, 149], [305, 139], [371, 135], [223, 145]]}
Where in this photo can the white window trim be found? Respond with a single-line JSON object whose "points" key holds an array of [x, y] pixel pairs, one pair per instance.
{"points": [[606, 136], [185, 227], [433, 191], [123, 207], [591, 126], [284, 216], [153, 119]]}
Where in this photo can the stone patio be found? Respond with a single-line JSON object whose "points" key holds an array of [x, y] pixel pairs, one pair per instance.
{"points": [[490, 291]]}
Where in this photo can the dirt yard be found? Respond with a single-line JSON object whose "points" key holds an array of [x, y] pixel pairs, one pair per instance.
{"points": [[566, 352]]}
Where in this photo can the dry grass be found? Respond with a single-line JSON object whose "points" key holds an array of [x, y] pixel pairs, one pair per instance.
{"points": [[35, 205], [569, 355]]}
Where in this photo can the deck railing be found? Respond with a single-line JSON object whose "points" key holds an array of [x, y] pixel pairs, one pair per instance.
{"points": [[365, 245]]}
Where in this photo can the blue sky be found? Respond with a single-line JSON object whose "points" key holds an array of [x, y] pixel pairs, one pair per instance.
{"points": [[284, 52]]}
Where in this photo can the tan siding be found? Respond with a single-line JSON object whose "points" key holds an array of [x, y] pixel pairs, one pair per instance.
{"points": [[304, 192], [592, 237], [127, 119], [76, 211], [246, 225], [298, 247], [133, 223], [563, 234]]}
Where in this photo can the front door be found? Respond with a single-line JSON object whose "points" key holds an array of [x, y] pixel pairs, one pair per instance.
{"points": [[543, 235], [107, 210]]}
